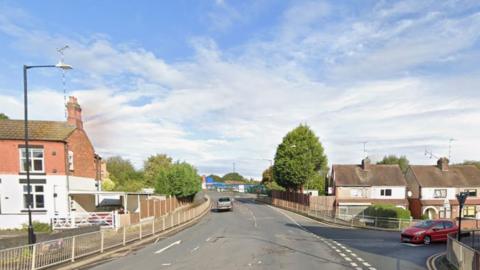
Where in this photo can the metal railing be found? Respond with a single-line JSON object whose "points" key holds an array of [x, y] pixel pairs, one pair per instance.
{"points": [[463, 255], [46, 254], [358, 220]]}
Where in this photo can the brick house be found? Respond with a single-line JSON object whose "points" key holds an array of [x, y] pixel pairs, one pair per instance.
{"points": [[356, 187], [62, 159], [433, 189]]}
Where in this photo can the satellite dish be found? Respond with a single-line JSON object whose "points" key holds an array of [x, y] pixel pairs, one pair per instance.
{"points": [[409, 193]]}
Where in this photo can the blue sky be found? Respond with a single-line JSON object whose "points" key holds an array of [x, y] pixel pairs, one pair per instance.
{"points": [[213, 82]]}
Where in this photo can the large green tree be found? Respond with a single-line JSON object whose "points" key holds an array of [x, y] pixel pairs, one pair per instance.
{"points": [[233, 176], [3, 116], [299, 158], [402, 161], [181, 180], [123, 174], [153, 166]]}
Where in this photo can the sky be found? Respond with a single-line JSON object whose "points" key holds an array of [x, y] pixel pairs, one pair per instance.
{"points": [[220, 82]]}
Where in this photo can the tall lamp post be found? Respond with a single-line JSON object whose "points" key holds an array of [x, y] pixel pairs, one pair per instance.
{"points": [[31, 234], [461, 197]]}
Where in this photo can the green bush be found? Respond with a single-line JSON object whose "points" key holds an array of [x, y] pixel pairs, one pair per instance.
{"points": [[424, 216], [387, 211], [38, 227]]}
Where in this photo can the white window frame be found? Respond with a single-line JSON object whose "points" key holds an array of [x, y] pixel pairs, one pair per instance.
{"points": [[70, 161], [440, 190], [32, 159], [34, 193]]}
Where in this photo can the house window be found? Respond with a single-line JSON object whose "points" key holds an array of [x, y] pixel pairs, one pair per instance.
{"points": [[70, 160], [36, 160], [440, 193], [469, 211], [386, 192], [471, 192], [36, 195]]}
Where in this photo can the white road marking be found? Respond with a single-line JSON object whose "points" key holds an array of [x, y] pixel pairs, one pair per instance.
{"points": [[195, 248], [166, 264], [329, 244], [208, 239], [167, 247], [366, 264]]}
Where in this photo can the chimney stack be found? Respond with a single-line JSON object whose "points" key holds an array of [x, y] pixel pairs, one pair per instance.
{"points": [[366, 164], [74, 112], [442, 164]]}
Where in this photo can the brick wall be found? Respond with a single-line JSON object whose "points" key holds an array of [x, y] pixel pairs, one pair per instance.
{"points": [[83, 154], [54, 156]]}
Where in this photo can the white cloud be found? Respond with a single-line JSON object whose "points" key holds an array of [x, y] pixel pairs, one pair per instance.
{"points": [[351, 81]]}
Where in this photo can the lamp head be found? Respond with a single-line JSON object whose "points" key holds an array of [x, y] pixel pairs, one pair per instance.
{"points": [[63, 66]]}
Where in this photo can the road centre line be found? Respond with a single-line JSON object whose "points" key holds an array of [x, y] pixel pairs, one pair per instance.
{"points": [[169, 246], [195, 248]]}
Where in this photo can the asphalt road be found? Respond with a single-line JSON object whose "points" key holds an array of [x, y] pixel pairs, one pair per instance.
{"points": [[258, 236]]}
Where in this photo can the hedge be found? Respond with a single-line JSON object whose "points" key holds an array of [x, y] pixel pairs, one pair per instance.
{"points": [[387, 211]]}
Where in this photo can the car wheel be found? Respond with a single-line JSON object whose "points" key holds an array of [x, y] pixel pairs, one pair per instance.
{"points": [[427, 240]]}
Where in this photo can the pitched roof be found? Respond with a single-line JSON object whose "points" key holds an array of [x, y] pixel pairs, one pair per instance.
{"points": [[377, 175], [455, 176], [38, 130]]}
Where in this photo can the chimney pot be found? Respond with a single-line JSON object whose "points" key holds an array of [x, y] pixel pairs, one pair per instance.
{"points": [[366, 164], [442, 164], [74, 112]]}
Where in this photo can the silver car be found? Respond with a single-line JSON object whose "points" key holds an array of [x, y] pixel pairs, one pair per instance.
{"points": [[224, 203]]}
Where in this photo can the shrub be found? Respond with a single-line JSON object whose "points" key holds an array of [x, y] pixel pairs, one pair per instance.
{"points": [[385, 212], [38, 227]]}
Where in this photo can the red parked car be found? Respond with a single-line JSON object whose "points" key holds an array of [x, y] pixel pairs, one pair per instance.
{"points": [[428, 231]]}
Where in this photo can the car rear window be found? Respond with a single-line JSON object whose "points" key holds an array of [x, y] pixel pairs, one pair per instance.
{"points": [[224, 199]]}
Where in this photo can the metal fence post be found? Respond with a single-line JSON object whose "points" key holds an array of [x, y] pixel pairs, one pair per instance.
{"points": [[73, 249], [153, 226], [163, 223], [124, 236], [101, 241], [171, 220], [140, 230], [34, 255]]}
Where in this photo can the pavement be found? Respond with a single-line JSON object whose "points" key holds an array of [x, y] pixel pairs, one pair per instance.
{"points": [[259, 236]]}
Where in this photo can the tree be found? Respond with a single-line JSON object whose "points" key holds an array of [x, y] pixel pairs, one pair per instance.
{"points": [[179, 179], [3, 116], [299, 158], [267, 175], [215, 178], [108, 184], [123, 174], [402, 161], [233, 176], [153, 167], [471, 162]]}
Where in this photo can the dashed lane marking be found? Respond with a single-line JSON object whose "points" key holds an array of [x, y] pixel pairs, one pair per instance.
{"points": [[167, 247]]}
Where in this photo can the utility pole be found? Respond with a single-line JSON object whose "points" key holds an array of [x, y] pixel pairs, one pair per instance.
{"points": [[450, 147], [365, 149]]}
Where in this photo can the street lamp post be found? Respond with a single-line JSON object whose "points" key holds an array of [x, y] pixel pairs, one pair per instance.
{"points": [[31, 233], [461, 197]]}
